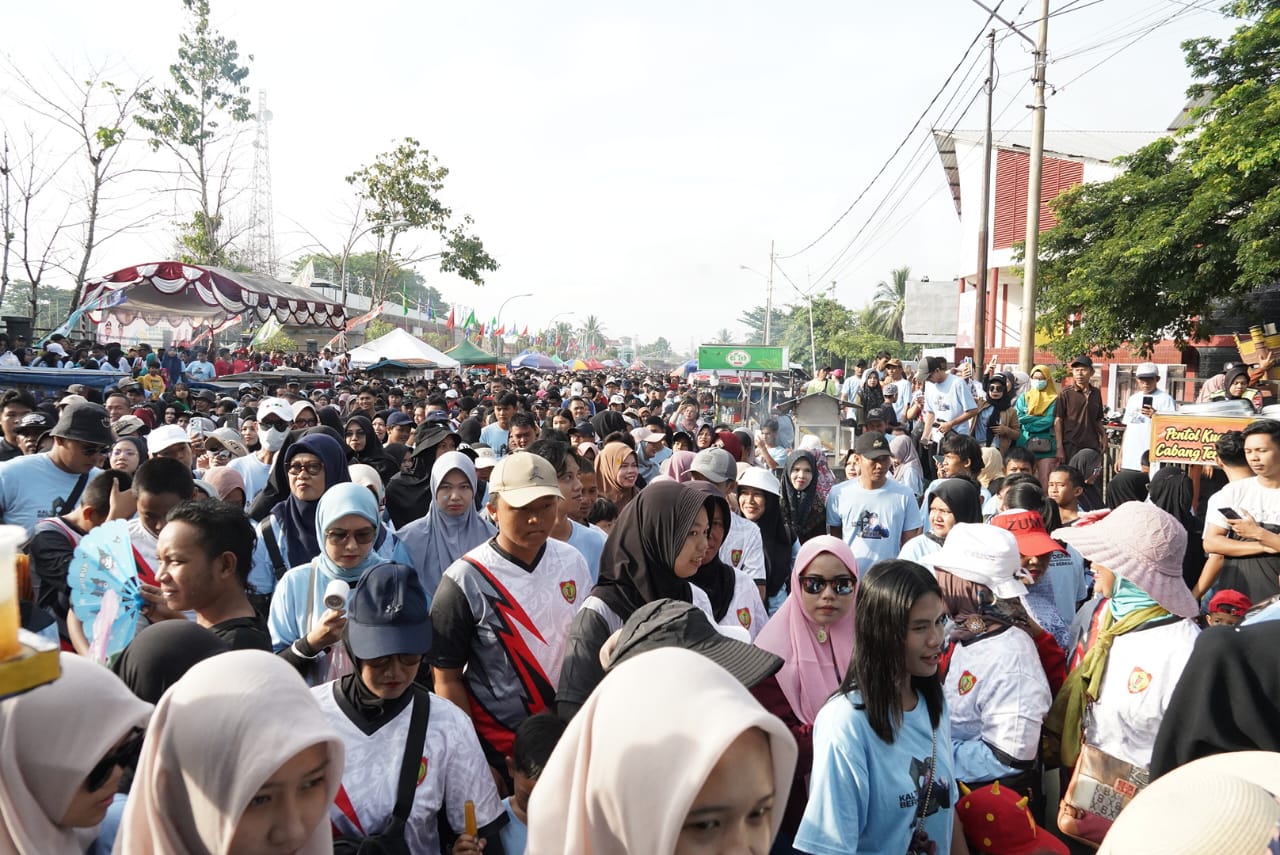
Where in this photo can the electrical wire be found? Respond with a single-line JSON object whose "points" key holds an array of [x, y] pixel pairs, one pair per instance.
{"points": [[905, 139]]}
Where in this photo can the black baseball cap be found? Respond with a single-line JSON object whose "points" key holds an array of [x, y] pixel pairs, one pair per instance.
{"points": [[388, 613], [872, 444], [671, 623], [35, 422], [1083, 361]]}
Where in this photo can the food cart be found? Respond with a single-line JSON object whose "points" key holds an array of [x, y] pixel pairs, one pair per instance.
{"points": [[819, 415]]}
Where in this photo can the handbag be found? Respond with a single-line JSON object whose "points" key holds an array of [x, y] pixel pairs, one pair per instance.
{"points": [[1039, 445], [920, 844], [391, 841], [1101, 786]]}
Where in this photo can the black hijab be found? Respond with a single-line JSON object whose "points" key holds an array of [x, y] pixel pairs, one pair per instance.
{"points": [[408, 494], [606, 422], [277, 488], [962, 497], [1171, 491], [329, 416], [872, 396], [998, 405], [373, 453], [1127, 485], [715, 577], [364, 709], [636, 566], [800, 509], [777, 544]]}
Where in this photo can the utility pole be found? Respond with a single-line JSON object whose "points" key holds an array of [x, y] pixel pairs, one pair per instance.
{"points": [[980, 308], [768, 298], [1031, 263]]}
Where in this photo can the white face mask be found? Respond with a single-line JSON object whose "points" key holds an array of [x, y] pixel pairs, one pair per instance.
{"points": [[1039, 385], [273, 438]]}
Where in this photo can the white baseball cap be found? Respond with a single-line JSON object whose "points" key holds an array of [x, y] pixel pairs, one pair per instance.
{"points": [[278, 407], [166, 436], [760, 479]]}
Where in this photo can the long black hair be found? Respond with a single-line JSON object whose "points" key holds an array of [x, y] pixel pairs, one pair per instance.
{"points": [[882, 612], [1030, 496]]}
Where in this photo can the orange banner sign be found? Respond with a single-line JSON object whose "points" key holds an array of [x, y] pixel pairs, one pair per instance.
{"points": [[1177, 438]]}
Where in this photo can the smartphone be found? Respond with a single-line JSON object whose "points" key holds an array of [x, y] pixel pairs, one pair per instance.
{"points": [[1230, 513], [1146, 400]]}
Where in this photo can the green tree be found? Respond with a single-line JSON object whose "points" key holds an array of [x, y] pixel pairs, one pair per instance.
{"points": [[659, 348], [193, 120], [753, 320], [591, 335], [362, 270], [1192, 223], [401, 190], [377, 328], [889, 304], [722, 336]]}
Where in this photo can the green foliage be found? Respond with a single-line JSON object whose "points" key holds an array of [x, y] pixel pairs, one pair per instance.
{"points": [[1193, 222], [280, 341], [377, 328], [841, 334], [403, 186], [208, 94], [363, 270], [53, 305], [591, 335], [889, 304]]}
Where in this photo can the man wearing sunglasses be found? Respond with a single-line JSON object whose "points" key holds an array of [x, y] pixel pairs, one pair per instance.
{"points": [[36, 486]]}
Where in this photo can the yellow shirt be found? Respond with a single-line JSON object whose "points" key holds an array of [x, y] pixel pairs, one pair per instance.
{"points": [[153, 383]]}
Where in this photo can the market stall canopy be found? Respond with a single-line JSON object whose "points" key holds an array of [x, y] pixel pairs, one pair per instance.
{"points": [[469, 354], [171, 292], [400, 345], [59, 378]]}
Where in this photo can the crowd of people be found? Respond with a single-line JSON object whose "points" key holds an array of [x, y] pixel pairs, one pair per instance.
{"points": [[583, 613]]}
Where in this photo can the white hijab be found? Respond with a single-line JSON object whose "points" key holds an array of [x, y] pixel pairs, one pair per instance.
{"points": [[217, 735], [50, 739], [665, 716]]}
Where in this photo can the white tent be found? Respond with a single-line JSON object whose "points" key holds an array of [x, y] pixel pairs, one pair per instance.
{"points": [[399, 345]]}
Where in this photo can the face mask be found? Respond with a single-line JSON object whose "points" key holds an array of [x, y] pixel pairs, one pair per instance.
{"points": [[272, 438], [1039, 385]]}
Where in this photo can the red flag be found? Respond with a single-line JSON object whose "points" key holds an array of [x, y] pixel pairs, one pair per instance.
{"points": [[525, 334], [450, 324], [502, 330]]}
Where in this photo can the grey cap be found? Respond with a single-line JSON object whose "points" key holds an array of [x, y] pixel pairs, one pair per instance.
{"points": [[715, 464]]}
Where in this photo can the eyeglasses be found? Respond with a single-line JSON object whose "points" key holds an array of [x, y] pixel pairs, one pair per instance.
{"points": [[842, 585], [125, 756], [305, 423], [296, 469], [362, 535], [408, 660]]}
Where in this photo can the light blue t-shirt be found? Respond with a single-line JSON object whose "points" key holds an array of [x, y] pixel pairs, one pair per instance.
{"points": [[515, 834], [918, 549], [873, 521], [496, 438], [255, 473], [30, 487], [1070, 583], [864, 792], [588, 540]]}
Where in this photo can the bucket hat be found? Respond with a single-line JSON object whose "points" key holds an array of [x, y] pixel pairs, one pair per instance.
{"points": [[982, 554]]}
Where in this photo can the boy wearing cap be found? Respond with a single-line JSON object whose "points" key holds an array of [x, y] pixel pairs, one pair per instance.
{"points": [[502, 612], [1138, 410], [36, 486], [874, 514]]}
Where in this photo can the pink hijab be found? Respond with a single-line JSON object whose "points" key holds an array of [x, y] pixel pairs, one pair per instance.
{"points": [[809, 676], [676, 467]]}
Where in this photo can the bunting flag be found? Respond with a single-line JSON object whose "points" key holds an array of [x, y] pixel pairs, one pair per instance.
{"points": [[481, 330], [501, 331], [449, 324], [470, 322], [525, 334], [493, 323], [266, 331]]}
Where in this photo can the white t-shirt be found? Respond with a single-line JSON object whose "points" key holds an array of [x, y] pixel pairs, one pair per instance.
{"points": [[947, 400], [255, 474], [743, 548], [1246, 494], [747, 609], [1137, 432], [453, 770]]}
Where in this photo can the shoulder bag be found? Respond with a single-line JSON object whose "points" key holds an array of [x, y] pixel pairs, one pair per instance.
{"points": [[391, 840], [1101, 786]]}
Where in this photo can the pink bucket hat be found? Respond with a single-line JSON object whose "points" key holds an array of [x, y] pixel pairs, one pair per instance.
{"points": [[1142, 544]]}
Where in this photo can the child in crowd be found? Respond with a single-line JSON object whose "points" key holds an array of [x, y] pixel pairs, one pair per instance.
{"points": [[1226, 608], [536, 738]]}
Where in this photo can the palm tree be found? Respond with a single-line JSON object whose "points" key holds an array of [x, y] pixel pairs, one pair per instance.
{"points": [[722, 337], [889, 303], [592, 334]]}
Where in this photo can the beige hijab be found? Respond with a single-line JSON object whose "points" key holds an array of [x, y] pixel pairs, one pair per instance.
{"points": [[217, 735], [632, 761], [50, 739]]}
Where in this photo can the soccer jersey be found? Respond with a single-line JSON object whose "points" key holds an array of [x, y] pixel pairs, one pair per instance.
{"points": [[453, 770], [506, 623], [743, 548]]}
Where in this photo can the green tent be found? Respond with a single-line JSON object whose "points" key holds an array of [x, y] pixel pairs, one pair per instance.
{"points": [[468, 354]]}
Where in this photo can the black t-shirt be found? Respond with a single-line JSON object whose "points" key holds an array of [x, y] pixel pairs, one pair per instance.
{"points": [[244, 633]]}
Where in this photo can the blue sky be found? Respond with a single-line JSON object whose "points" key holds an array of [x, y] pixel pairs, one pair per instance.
{"points": [[625, 161]]}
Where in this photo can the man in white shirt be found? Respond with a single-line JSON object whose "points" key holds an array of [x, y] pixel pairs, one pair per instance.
{"points": [[1242, 522], [275, 419], [1138, 410], [948, 401]]}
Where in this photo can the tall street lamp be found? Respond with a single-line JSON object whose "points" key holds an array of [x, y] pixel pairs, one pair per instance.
{"points": [[396, 226], [551, 325], [498, 320]]}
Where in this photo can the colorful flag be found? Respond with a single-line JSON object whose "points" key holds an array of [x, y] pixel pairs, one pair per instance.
{"points": [[431, 315], [525, 334], [266, 331], [450, 322], [470, 321]]}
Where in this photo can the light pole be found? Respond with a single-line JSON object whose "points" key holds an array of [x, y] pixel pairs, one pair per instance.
{"points": [[498, 321], [398, 225], [768, 294], [551, 325]]}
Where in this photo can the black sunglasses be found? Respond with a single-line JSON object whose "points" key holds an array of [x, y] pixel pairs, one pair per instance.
{"points": [[842, 585], [125, 756]]}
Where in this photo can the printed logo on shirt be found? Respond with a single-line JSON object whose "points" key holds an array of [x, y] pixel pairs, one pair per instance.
{"points": [[570, 591], [869, 527], [967, 682], [1139, 681], [735, 556], [744, 618], [422, 772]]}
